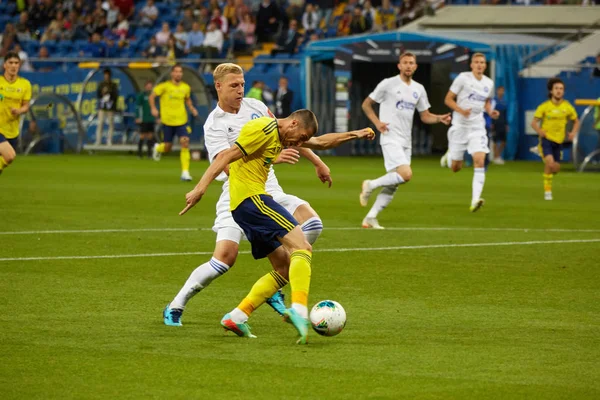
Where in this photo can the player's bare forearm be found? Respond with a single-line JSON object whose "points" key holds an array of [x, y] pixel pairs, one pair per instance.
{"points": [[218, 165], [190, 106], [367, 107], [332, 140], [450, 101], [536, 127], [575, 129], [310, 156], [430, 119], [488, 107]]}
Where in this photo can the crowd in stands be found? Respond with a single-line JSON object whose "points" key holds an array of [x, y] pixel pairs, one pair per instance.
{"points": [[169, 30]]}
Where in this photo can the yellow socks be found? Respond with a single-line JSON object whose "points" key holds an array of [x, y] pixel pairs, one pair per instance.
{"points": [[300, 270], [3, 163], [160, 148], [548, 182], [263, 289], [184, 156]]}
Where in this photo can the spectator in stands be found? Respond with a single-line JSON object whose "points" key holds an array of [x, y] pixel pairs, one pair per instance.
{"points": [[241, 9], [101, 25], [181, 38], [204, 19], [213, 5], [34, 10], [43, 66], [52, 32], [9, 38], [283, 99], [326, 9], [108, 95], [80, 7], [310, 20], [500, 125], [23, 27], [243, 37], [256, 91], [173, 52], [219, 21], [294, 10], [153, 50], [185, 4], [48, 10], [409, 11], [358, 24], [344, 23], [149, 14], [596, 72], [125, 7], [288, 40], [230, 15], [267, 20], [112, 14], [213, 42], [387, 16], [86, 30], [195, 39], [25, 64], [197, 8], [96, 48], [371, 15], [163, 36], [122, 28], [188, 19]]}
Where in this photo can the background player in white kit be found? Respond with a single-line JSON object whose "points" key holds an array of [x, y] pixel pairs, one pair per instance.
{"points": [[221, 129], [469, 96], [398, 96]]}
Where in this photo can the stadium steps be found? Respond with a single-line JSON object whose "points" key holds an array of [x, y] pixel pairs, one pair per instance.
{"points": [[559, 61], [247, 62]]}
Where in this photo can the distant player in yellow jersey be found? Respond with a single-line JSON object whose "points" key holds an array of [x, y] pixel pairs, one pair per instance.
{"points": [[266, 224], [174, 96], [550, 123], [15, 93]]}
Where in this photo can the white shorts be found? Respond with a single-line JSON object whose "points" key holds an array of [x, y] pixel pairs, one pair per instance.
{"points": [[227, 229], [395, 155], [472, 139]]}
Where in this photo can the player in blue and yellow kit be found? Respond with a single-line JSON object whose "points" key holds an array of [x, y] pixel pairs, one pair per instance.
{"points": [[174, 96], [550, 122], [266, 224], [15, 93]]}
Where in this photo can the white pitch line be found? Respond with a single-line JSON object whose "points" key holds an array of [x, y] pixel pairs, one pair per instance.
{"points": [[353, 228], [415, 247]]}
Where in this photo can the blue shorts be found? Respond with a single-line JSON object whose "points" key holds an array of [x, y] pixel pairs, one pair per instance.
{"points": [[169, 132], [263, 220], [548, 147], [13, 142]]}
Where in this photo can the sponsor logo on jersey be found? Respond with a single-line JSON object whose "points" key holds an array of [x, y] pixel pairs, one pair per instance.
{"points": [[254, 116], [477, 97], [405, 105]]}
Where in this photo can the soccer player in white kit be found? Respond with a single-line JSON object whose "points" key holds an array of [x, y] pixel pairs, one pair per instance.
{"points": [[469, 96], [398, 97], [221, 129]]}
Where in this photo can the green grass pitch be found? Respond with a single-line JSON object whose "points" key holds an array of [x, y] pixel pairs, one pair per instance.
{"points": [[500, 304]]}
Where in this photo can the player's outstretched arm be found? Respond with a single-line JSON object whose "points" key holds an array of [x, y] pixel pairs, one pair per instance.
{"points": [[429, 118], [331, 140], [218, 165]]}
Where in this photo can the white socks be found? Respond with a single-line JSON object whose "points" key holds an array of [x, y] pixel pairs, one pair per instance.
{"points": [[312, 228], [300, 309], [389, 179], [384, 198], [478, 181], [198, 280], [238, 316]]}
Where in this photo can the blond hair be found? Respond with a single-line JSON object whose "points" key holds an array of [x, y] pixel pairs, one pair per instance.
{"points": [[225, 69], [475, 55], [407, 54]]}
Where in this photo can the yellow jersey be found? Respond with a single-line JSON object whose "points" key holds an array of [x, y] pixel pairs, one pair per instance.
{"points": [[260, 143], [12, 95], [172, 102], [554, 119]]}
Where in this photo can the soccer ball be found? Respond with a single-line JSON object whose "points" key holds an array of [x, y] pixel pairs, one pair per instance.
{"points": [[328, 318]]}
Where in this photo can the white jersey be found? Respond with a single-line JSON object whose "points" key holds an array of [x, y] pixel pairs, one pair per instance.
{"points": [[471, 93], [398, 102], [222, 129]]}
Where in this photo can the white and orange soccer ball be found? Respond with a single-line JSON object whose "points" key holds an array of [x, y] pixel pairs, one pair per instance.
{"points": [[328, 318]]}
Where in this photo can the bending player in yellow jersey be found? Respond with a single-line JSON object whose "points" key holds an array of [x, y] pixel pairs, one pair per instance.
{"points": [[550, 123], [15, 93], [174, 96], [266, 224]]}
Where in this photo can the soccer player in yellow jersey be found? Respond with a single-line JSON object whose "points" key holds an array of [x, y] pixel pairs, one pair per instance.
{"points": [[550, 123], [266, 224], [174, 96], [15, 93]]}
